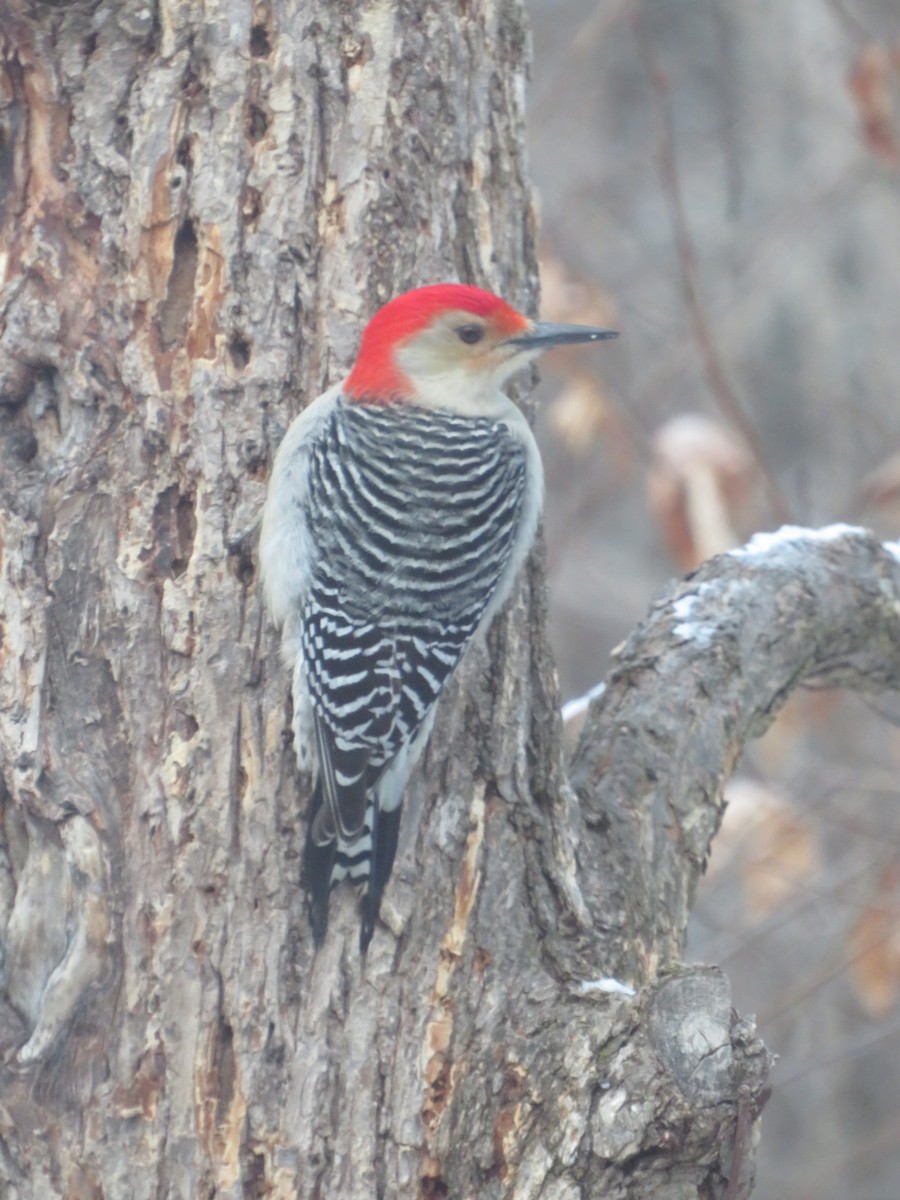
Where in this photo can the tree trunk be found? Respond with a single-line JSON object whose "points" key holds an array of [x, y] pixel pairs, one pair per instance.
{"points": [[201, 204]]}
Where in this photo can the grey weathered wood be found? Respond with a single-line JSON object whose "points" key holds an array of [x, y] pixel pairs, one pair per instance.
{"points": [[200, 206], [721, 651]]}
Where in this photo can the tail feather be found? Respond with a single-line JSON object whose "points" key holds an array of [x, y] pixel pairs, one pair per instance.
{"points": [[385, 832], [365, 860], [318, 868]]}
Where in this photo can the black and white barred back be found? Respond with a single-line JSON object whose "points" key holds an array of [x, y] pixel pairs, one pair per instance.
{"points": [[415, 520]]}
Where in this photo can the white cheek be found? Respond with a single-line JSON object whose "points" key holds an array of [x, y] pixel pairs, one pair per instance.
{"points": [[442, 379]]}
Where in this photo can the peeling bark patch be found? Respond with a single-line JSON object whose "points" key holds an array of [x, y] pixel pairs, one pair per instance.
{"points": [[332, 217], [141, 1097], [467, 888], [221, 1105], [176, 306], [47, 135], [439, 1080], [437, 1065], [210, 289], [509, 1120], [356, 51]]}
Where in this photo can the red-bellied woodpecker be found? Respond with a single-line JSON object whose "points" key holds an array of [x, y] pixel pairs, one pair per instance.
{"points": [[402, 505]]}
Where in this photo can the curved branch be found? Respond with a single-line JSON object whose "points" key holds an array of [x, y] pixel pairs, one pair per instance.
{"points": [[707, 670]]}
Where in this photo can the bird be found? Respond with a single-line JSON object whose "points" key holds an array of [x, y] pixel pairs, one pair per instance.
{"points": [[401, 506]]}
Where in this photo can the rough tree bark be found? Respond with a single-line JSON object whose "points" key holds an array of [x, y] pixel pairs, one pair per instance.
{"points": [[201, 204]]}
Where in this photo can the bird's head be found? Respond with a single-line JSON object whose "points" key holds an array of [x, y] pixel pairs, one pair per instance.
{"points": [[450, 346]]}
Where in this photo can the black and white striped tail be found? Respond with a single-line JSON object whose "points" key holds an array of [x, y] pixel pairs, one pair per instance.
{"points": [[364, 861]]}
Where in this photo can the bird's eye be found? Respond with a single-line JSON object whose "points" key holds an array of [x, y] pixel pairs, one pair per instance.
{"points": [[470, 334]]}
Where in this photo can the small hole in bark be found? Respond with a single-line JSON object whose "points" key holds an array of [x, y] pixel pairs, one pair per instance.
{"points": [[224, 1063], [22, 445], [176, 307], [123, 137], [254, 458], [174, 528], [432, 1189], [251, 206], [239, 349], [186, 524], [254, 1180], [260, 46], [240, 563], [257, 123]]}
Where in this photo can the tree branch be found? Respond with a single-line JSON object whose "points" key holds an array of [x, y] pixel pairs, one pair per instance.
{"points": [[708, 669]]}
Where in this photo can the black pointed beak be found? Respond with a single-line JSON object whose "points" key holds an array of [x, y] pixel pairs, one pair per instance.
{"points": [[544, 334]]}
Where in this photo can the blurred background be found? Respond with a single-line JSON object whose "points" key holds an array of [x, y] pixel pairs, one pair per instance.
{"points": [[721, 181]]}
